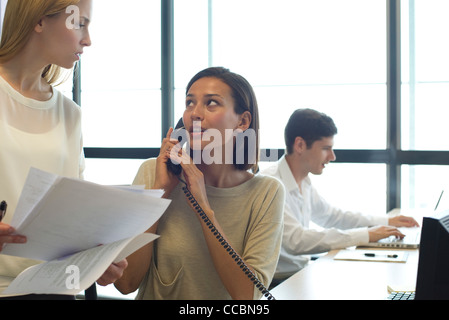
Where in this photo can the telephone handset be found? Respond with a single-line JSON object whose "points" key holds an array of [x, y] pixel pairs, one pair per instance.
{"points": [[173, 167], [176, 170]]}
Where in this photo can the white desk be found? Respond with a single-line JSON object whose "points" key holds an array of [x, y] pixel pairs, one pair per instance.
{"points": [[329, 279]]}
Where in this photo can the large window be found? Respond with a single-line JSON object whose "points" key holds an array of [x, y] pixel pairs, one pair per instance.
{"points": [[423, 185], [425, 103], [425, 74], [121, 84], [296, 54]]}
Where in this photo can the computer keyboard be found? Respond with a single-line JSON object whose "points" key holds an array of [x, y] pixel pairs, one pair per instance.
{"points": [[401, 295]]}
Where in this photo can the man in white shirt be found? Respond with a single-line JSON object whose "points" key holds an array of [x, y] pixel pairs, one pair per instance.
{"points": [[309, 145]]}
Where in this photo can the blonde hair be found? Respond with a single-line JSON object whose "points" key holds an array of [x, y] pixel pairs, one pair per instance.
{"points": [[21, 16]]}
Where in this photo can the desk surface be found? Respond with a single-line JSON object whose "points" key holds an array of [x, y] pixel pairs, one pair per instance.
{"points": [[329, 279]]}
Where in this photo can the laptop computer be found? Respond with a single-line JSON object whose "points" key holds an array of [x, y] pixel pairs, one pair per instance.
{"points": [[410, 241]]}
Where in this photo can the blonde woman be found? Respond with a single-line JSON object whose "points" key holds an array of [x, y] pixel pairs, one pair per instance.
{"points": [[39, 126], [192, 259]]}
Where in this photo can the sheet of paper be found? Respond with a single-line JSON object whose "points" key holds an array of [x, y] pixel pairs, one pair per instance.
{"points": [[372, 255], [76, 215], [158, 193], [77, 272], [37, 184]]}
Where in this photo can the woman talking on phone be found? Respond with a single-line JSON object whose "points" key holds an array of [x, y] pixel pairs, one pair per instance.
{"points": [[226, 206]]}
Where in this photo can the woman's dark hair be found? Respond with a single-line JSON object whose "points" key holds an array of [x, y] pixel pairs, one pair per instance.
{"points": [[244, 100], [310, 125]]}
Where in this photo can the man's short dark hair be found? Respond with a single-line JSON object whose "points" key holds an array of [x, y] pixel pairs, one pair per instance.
{"points": [[310, 125]]}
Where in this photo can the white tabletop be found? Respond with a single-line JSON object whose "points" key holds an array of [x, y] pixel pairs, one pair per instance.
{"points": [[329, 279]]}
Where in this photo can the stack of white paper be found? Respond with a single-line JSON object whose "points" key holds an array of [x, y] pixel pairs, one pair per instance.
{"points": [[71, 222]]}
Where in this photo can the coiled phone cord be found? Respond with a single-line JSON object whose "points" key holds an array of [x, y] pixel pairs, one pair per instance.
{"points": [[225, 244]]}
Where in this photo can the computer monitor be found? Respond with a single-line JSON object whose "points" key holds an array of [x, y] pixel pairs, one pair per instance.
{"points": [[433, 267]]}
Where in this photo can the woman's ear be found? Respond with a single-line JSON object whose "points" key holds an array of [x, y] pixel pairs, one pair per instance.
{"points": [[245, 121], [39, 26]]}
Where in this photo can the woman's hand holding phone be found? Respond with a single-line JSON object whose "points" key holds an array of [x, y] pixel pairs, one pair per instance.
{"points": [[165, 179]]}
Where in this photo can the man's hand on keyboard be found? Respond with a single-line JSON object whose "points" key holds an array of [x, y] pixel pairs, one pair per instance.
{"points": [[402, 221], [377, 233]]}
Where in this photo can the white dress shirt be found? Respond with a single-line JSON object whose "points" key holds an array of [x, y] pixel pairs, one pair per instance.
{"points": [[341, 228]]}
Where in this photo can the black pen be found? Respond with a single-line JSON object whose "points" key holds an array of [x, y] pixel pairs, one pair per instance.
{"points": [[3, 207], [372, 255]]}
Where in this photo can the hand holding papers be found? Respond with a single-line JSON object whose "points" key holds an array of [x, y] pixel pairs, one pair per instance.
{"points": [[76, 272], [68, 219]]}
